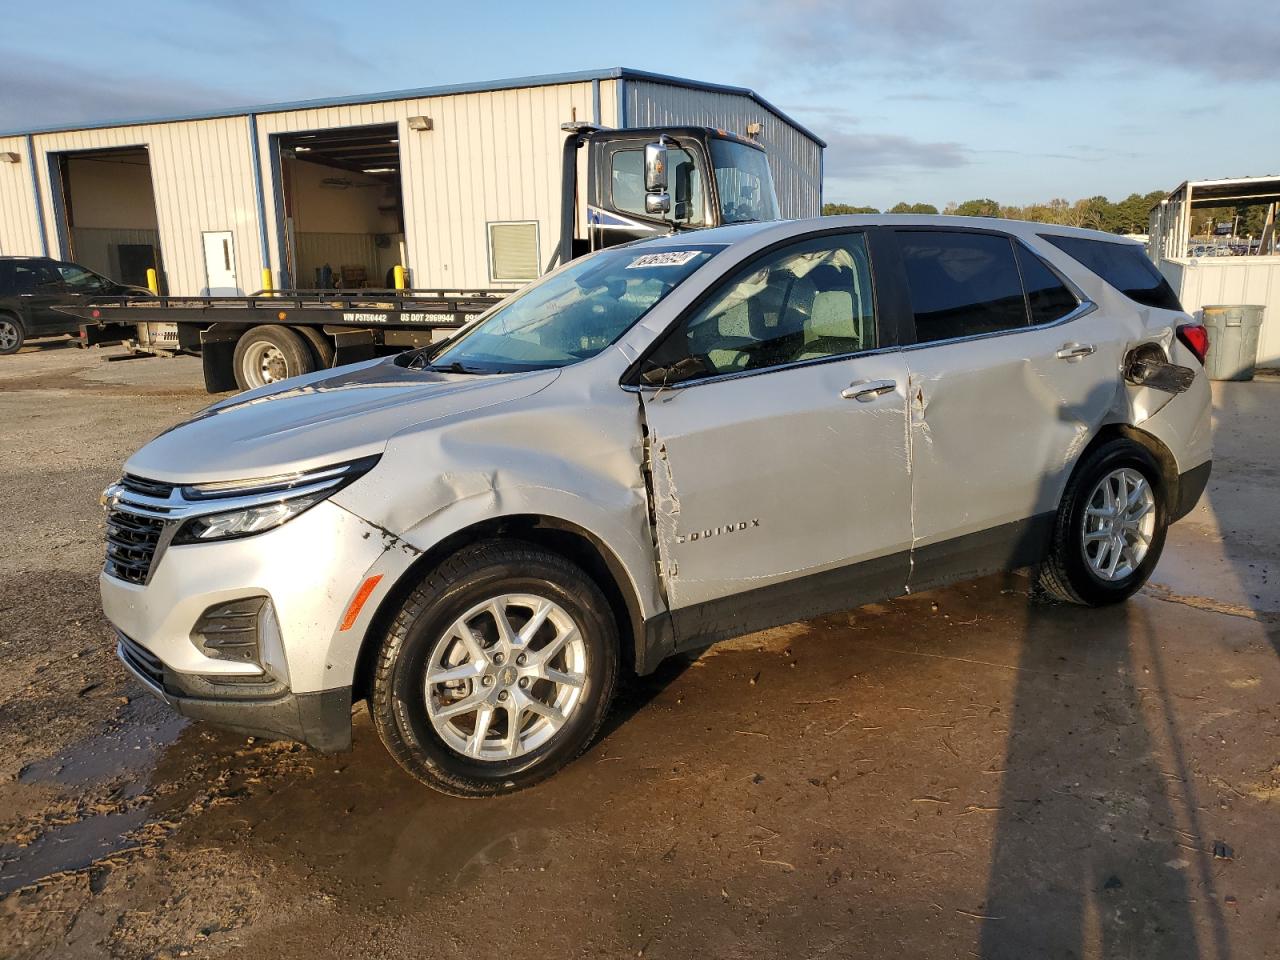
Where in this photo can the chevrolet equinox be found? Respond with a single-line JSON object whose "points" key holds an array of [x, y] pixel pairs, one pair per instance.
{"points": [[653, 448]]}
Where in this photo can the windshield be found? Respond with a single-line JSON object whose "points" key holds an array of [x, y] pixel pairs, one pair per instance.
{"points": [[575, 313], [744, 182]]}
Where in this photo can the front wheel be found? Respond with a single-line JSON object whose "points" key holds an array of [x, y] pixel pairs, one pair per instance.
{"points": [[12, 336], [1110, 527], [497, 670]]}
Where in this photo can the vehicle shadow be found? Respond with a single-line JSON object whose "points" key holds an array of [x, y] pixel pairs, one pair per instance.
{"points": [[1097, 848], [1097, 840], [46, 344]]}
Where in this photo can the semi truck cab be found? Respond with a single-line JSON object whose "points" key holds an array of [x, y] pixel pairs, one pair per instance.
{"points": [[709, 177]]}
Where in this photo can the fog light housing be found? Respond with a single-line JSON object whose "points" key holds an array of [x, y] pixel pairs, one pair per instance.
{"points": [[232, 630]]}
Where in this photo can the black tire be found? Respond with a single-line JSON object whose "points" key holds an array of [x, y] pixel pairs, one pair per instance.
{"points": [[1066, 574], [320, 344], [296, 358], [12, 334], [397, 702]]}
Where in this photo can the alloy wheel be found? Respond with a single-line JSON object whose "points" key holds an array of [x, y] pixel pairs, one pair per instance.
{"points": [[1119, 523], [505, 677]]}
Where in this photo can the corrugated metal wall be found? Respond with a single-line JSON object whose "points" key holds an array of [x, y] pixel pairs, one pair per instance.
{"points": [[201, 172], [1228, 281], [795, 159], [489, 156], [19, 228]]}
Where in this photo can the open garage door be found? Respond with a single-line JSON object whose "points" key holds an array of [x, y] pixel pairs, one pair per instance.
{"points": [[343, 218], [107, 215]]}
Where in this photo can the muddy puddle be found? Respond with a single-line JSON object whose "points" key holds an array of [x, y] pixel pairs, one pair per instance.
{"points": [[101, 793]]}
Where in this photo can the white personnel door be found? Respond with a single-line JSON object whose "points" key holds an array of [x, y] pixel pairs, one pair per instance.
{"points": [[220, 264]]}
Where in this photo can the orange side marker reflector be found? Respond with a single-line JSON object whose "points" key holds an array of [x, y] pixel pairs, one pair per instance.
{"points": [[358, 601]]}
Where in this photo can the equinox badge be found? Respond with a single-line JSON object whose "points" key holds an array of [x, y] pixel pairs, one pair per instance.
{"points": [[717, 531]]}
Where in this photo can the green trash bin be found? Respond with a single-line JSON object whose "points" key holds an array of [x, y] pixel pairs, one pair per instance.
{"points": [[1233, 341]]}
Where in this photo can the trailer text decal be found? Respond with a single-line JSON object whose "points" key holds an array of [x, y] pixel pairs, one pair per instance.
{"points": [[355, 317], [676, 258]]}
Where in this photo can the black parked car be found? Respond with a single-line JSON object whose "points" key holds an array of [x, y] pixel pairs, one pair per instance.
{"points": [[30, 289]]}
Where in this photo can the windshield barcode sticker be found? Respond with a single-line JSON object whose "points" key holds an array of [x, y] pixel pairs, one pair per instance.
{"points": [[676, 258]]}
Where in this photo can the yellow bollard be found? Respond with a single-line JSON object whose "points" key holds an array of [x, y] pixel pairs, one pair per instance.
{"points": [[153, 281], [400, 276], [266, 280]]}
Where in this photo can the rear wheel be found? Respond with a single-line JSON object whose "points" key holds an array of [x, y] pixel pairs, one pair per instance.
{"points": [[1110, 528], [268, 354], [320, 344], [12, 336], [496, 672]]}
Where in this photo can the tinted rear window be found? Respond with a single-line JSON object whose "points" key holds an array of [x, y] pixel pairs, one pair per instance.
{"points": [[1124, 266], [1047, 296], [961, 284]]}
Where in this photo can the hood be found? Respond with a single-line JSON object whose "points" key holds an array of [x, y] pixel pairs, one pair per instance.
{"points": [[319, 419]]}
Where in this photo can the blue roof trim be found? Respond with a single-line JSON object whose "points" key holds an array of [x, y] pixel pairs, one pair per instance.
{"points": [[541, 80]]}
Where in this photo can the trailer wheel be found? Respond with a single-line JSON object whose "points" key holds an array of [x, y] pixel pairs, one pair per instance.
{"points": [[268, 354], [321, 345]]}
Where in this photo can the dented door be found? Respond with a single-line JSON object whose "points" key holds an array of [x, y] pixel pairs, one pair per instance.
{"points": [[997, 423], [763, 479]]}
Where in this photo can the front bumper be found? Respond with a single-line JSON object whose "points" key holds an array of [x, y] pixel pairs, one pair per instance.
{"points": [[321, 720], [299, 683]]}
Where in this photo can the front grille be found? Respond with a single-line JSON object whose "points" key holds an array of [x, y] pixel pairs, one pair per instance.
{"points": [[131, 544], [138, 511], [148, 488], [141, 659]]}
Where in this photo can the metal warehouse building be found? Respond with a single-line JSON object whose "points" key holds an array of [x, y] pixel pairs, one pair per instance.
{"points": [[460, 183]]}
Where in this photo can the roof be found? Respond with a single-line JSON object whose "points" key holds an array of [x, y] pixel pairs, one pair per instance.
{"points": [[737, 232], [1208, 193], [541, 80]]}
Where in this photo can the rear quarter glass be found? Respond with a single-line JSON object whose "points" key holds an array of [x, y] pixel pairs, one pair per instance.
{"points": [[1123, 265]]}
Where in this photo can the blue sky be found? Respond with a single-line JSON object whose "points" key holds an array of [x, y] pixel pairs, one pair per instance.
{"points": [[920, 100]]}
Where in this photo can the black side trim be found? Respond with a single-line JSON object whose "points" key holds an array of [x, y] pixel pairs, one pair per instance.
{"points": [[799, 599], [1009, 546], [1191, 486]]}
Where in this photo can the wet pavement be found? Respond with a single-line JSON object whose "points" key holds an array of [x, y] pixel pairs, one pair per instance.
{"points": [[967, 772]]}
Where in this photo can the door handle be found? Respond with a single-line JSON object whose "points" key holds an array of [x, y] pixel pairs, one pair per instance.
{"points": [[1074, 351], [867, 390]]}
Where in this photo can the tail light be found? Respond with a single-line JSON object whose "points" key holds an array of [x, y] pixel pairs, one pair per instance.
{"points": [[1196, 339]]}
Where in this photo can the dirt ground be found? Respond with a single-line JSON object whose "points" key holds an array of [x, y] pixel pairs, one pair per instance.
{"points": [[961, 773]]}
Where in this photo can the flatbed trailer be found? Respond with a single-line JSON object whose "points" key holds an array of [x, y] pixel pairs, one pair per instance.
{"points": [[245, 341], [639, 182]]}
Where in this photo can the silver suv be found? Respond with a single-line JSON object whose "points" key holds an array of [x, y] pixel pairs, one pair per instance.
{"points": [[653, 448]]}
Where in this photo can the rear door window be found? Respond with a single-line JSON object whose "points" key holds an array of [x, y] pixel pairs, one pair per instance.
{"points": [[1048, 298], [36, 278], [961, 284], [1123, 265]]}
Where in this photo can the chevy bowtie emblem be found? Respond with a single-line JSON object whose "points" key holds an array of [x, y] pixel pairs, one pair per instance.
{"points": [[736, 527]]}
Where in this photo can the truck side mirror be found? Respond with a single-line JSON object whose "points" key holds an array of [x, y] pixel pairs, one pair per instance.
{"points": [[655, 167], [657, 204]]}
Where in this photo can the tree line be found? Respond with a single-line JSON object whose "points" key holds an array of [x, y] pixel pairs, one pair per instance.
{"points": [[1098, 213]]}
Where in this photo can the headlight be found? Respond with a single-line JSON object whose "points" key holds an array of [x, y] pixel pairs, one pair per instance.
{"points": [[252, 506]]}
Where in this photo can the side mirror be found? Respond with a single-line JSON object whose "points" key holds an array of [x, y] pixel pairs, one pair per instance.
{"points": [[657, 204], [655, 167]]}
